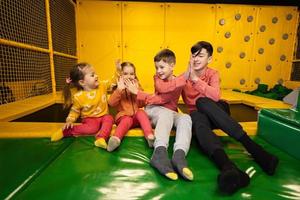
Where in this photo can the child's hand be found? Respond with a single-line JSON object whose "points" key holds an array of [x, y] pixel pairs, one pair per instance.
{"points": [[132, 86], [121, 85], [188, 71], [67, 125], [118, 65], [192, 75]]}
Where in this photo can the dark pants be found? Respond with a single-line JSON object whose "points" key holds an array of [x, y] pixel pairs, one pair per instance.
{"points": [[211, 115]]}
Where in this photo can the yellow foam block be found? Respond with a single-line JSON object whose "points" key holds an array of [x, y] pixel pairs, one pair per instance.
{"points": [[272, 105], [21, 108], [28, 129], [42, 129]]}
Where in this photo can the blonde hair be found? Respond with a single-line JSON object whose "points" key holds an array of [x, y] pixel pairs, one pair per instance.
{"points": [[129, 64]]}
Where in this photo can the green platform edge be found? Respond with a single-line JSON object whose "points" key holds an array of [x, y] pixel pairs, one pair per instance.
{"points": [[83, 171], [22, 160]]}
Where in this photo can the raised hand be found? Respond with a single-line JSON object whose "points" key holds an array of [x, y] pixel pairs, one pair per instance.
{"points": [[192, 76], [118, 65], [188, 71], [121, 85], [131, 86]]}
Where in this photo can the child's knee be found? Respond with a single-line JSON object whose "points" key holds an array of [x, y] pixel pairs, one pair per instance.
{"points": [[185, 119], [108, 118], [202, 101]]}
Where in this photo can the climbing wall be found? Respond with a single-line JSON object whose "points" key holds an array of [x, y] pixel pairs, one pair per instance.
{"points": [[252, 44]]}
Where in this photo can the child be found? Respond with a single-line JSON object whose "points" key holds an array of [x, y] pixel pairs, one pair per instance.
{"points": [[90, 103], [202, 96], [164, 116], [129, 115]]}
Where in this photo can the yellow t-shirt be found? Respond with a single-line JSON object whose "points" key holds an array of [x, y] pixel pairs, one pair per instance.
{"points": [[91, 103]]}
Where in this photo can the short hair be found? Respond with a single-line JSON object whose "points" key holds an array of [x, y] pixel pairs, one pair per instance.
{"points": [[166, 55], [202, 45]]}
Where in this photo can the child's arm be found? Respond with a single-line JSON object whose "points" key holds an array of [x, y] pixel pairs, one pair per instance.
{"points": [[210, 89], [162, 86], [145, 97], [73, 114], [115, 98], [112, 82], [154, 99]]}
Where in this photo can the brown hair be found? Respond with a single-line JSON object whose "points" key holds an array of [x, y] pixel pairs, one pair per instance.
{"points": [[166, 55], [202, 45], [76, 74], [126, 64]]}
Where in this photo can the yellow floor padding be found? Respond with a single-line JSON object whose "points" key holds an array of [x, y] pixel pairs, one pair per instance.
{"points": [[45, 130], [18, 109], [21, 108]]}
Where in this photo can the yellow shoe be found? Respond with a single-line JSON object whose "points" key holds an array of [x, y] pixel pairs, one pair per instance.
{"points": [[188, 174], [172, 175], [101, 143], [58, 135]]}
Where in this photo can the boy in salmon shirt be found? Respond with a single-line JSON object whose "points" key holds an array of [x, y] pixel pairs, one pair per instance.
{"points": [[164, 116], [202, 96]]}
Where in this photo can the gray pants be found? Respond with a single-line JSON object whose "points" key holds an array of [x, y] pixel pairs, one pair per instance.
{"points": [[164, 119]]}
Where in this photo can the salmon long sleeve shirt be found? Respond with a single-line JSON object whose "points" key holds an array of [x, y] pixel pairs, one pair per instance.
{"points": [[208, 85], [167, 92], [125, 102]]}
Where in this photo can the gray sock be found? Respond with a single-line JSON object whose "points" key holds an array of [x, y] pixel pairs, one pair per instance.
{"points": [[160, 160], [179, 162]]}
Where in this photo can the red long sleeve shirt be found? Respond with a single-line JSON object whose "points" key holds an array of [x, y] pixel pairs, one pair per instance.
{"points": [[208, 85], [167, 92]]}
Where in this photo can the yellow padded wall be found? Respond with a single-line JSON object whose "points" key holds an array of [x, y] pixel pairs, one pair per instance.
{"points": [[233, 55], [244, 53], [273, 46], [143, 36], [185, 25], [99, 35]]}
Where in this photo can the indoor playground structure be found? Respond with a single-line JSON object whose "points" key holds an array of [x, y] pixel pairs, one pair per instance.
{"points": [[255, 45]]}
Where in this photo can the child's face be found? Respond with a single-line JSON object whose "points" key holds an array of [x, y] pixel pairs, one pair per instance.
{"points": [[201, 60], [90, 80], [128, 73], [164, 70]]}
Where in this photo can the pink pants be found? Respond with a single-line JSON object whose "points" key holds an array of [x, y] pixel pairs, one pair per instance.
{"points": [[126, 122], [98, 126]]}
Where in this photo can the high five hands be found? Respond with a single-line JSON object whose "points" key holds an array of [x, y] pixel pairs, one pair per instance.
{"points": [[192, 74], [131, 85]]}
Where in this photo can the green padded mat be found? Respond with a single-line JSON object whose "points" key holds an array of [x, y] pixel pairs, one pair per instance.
{"points": [[83, 171], [22, 160]]}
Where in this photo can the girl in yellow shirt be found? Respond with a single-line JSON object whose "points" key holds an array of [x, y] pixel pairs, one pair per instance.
{"points": [[90, 103]]}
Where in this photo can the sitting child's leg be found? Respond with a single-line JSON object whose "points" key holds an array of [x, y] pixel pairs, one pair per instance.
{"points": [[222, 120], [230, 178], [123, 125], [142, 118], [183, 124], [163, 120], [265, 160], [106, 126], [89, 126]]}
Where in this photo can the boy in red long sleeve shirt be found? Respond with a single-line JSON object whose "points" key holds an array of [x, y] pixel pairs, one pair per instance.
{"points": [[162, 112]]}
